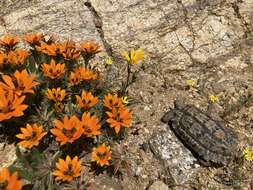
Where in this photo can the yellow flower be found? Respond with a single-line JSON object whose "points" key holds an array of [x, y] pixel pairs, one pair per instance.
{"points": [[109, 61], [191, 83], [213, 98], [124, 99], [134, 57], [248, 154]]}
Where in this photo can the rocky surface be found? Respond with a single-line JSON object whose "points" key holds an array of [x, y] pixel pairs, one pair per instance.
{"points": [[167, 148], [208, 41]]}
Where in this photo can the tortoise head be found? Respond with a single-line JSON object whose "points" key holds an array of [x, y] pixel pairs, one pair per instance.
{"points": [[168, 116]]}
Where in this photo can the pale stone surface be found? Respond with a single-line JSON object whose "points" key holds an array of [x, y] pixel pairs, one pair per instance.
{"points": [[166, 147], [7, 154], [64, 18], [158, 185]]}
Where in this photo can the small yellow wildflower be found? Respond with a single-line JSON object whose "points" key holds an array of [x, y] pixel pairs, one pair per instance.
{"points": [[109, 61], [213, 98], [124, 100], [248, 154], [191, 83], [135, 56]]}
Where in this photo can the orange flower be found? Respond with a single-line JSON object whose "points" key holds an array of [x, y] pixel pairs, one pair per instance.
{"points": [[49, 49], [11, 105], [85, 74], [9, 41], [90, 125], [74, 79], [87, 100], [9, 181], [67, 169], [101, 155], [68, 50], [31, 136], [21, 83], [119, 117], [112, 101], [34, 39], [89, 48], [56, 94], [53, 70], [17, 57], [67, 131], [3, 58]]}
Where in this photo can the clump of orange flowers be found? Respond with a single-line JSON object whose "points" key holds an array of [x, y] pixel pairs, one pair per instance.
{"points": [[118, 115], [9, 181], [55, 89]]}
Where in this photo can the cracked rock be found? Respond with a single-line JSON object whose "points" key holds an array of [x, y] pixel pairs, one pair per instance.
{"points": [[167, 148]]}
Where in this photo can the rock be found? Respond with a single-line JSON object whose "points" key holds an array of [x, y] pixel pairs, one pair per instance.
{"points": [[167, 148], [158, 185], [104, 182], [64, 18], [7, 154]]}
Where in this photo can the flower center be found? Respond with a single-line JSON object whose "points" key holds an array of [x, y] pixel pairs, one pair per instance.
{"points": [[3, 184], [69, 133], [101, 155], [31, 137], [69, 172]]}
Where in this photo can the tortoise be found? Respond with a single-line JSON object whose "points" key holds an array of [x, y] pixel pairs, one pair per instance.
{"points": [[208, 139]]}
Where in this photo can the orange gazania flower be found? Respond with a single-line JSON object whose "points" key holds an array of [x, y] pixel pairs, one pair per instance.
{"points": [[112, 101], [21, 83], [67, 131], [49, 49], [85, 74], [11, 105], [17, 57], [67, 169], [90, 125], [68, 50], [9, 41], [31, 135], [74, 79], [56, 95], [119, 117], [90, 48], [34, 39], [87, 100], [3, 58], [53, 70], [9, 181], [101, 155]]}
